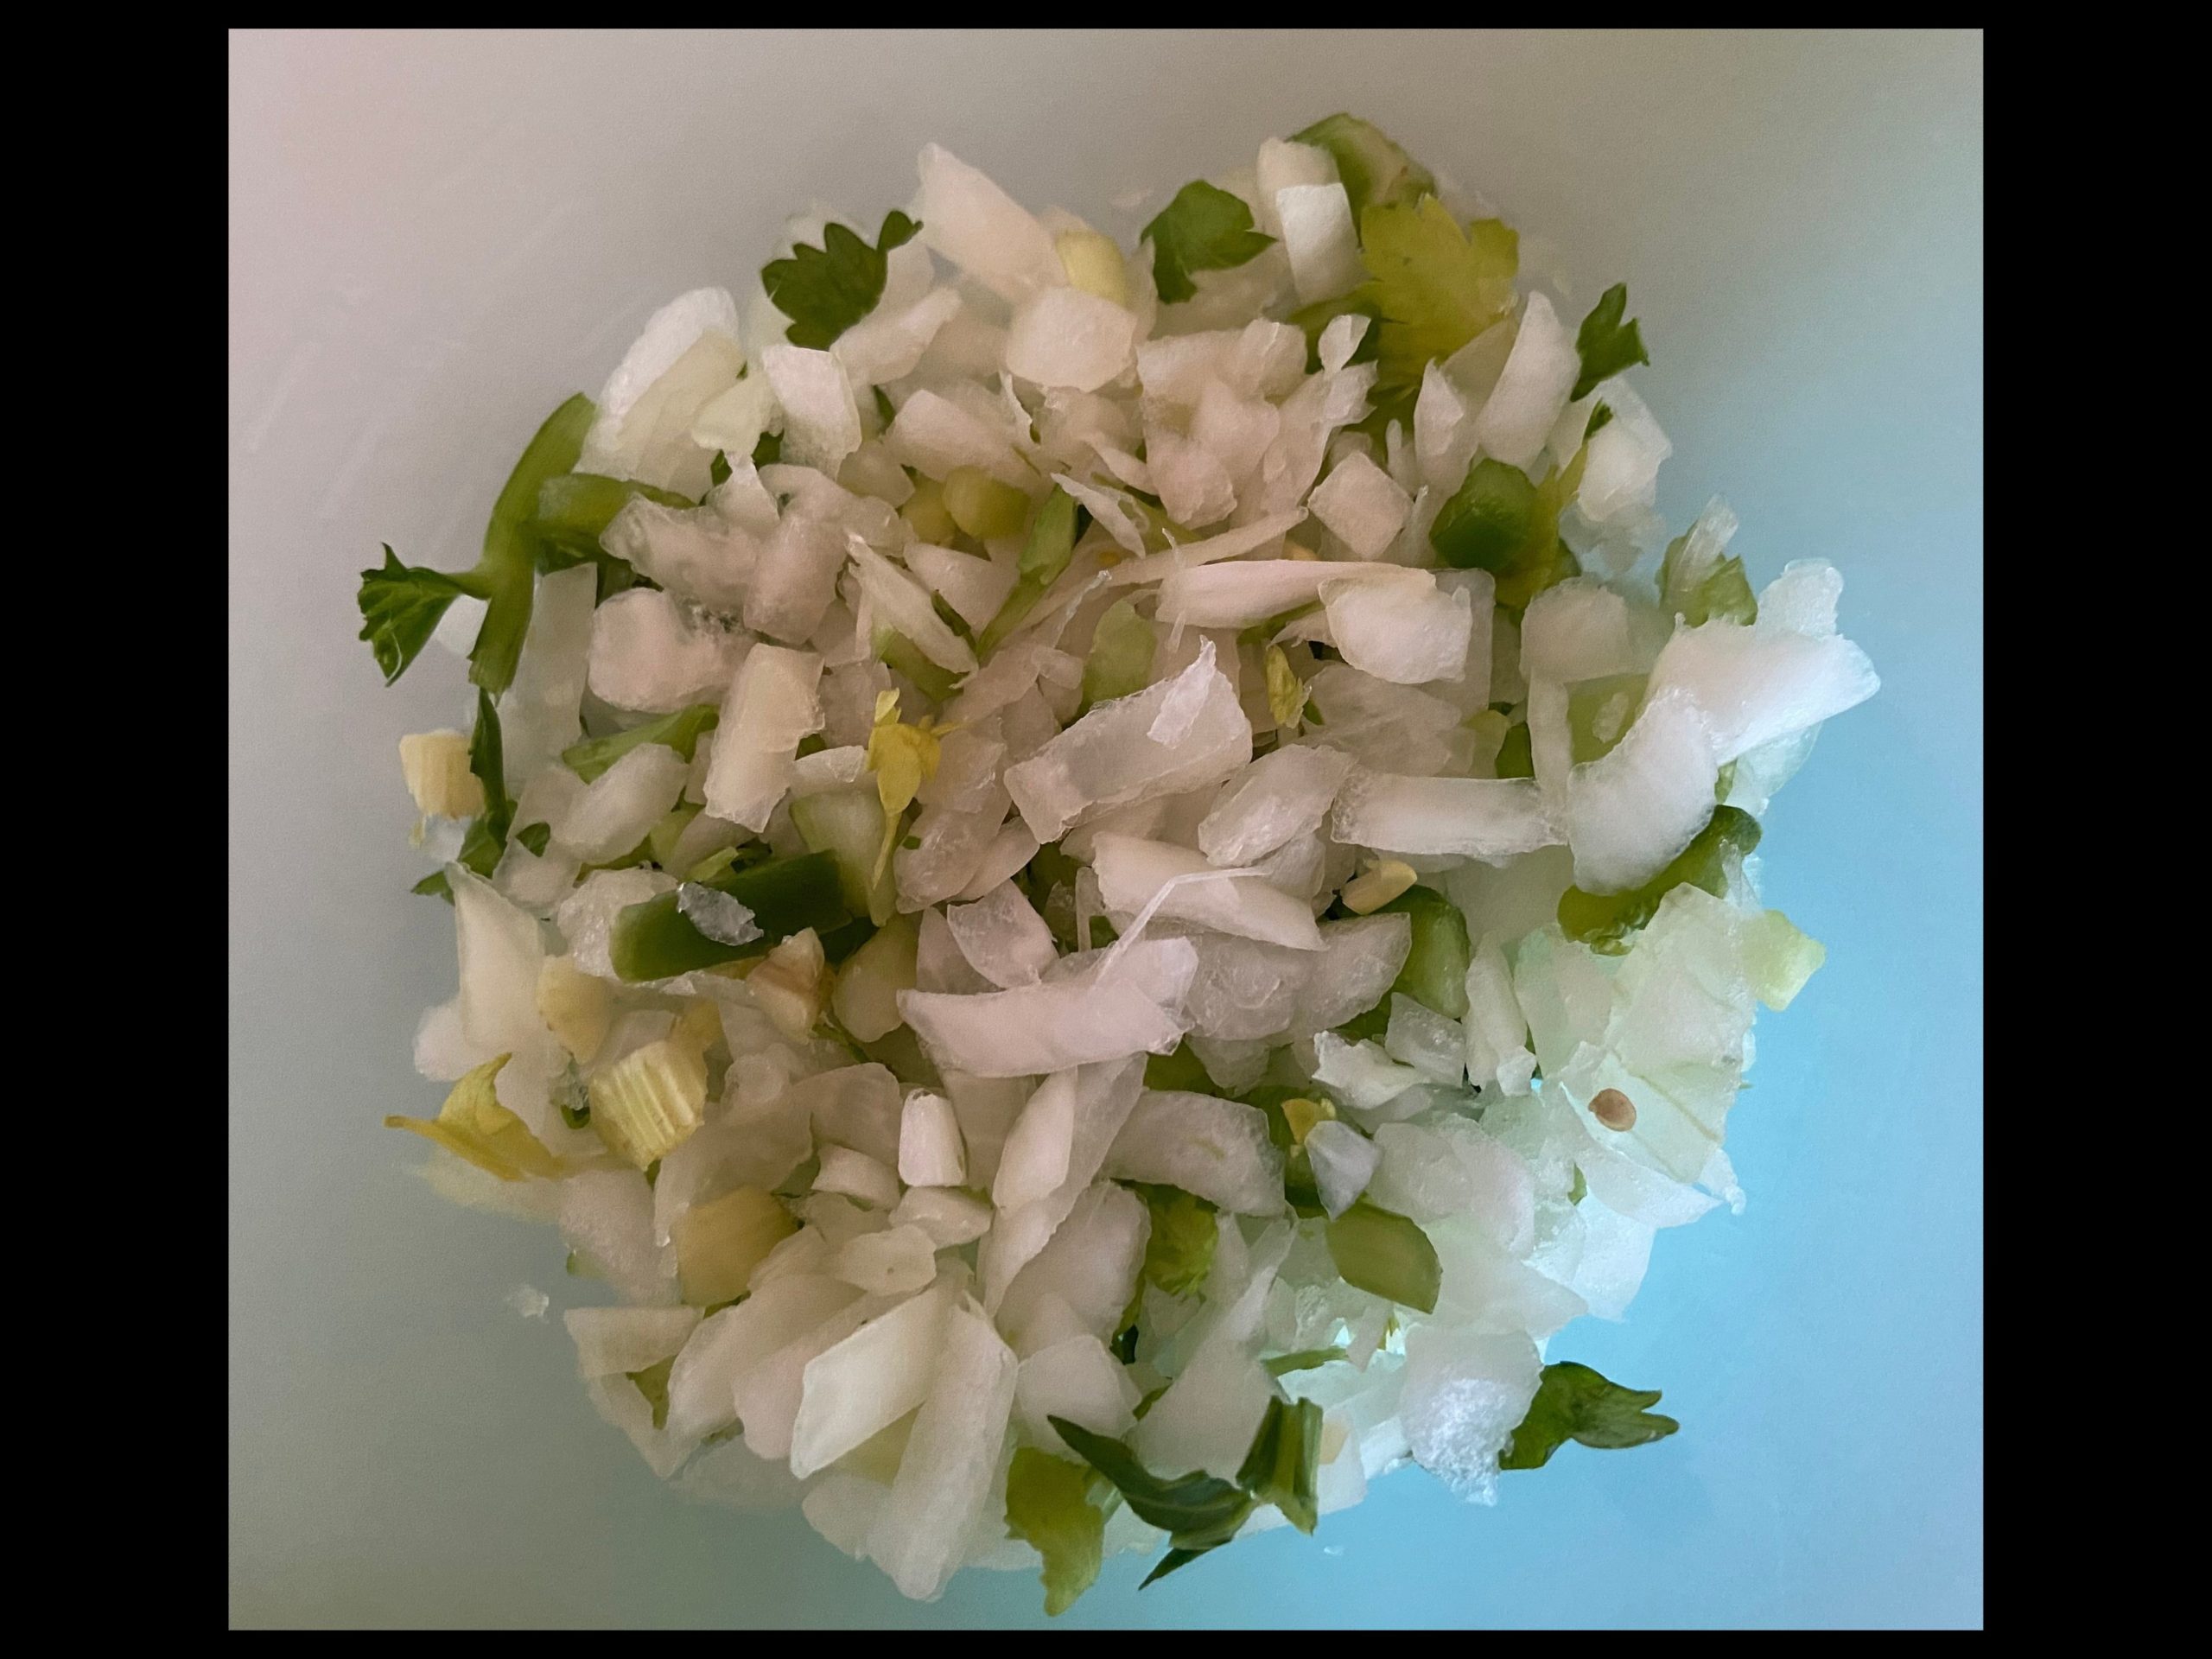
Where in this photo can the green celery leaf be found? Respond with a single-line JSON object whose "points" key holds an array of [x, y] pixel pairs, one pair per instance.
{"points": [[536, 837], [1284, 1463], [1305, 1359], [434, 886], [680, 731], [401, 605], [1387, 1254], [1197, 1506], [1575, 1403], [1485, 523], [1120, 654], [826, 291], [1203, 229], [1173, 1560], [1435, 285], [1048, 1507], [1607, 345], [1497, 520], [1435, 973], [1373, 168], [1179, 1252], [1605, 921], [488, 832]]}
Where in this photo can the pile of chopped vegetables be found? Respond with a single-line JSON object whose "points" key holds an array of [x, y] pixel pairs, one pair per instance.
{"points": [[1102, 887]]}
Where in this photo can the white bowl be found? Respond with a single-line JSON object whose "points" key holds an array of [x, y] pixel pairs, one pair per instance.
{"points": [[434, 237]]}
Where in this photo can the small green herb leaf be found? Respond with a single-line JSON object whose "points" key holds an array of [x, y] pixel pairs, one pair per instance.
{"points": [[1607, 344], [1205, 228], [1573, 1402], [1196, 1505], [826, 291], [1283, 1466], [401, 605]]}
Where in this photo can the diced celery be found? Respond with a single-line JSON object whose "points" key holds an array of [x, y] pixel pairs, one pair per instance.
{"points": [[664, 836], [1177, 1070], [1514, 757], [1043, 558], [1436, 967], [1283, 1465], [847, 824], [680, 731], [1302, 1112], [1093, 263], [1605, 921], [1384, 1253], [896, 651], [719, 1243], [1599, 711], [1374, 169], [865, 999], [1377, 886], [1120, 654], [982, 506], [925, 515], [438, 776], [1485, 523], [647, 1104], [1179, 1250], [654, 940]]}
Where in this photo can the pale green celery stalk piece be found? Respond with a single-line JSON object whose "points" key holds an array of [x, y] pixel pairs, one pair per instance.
{"points": [[1121, 650], [1605, 921]]}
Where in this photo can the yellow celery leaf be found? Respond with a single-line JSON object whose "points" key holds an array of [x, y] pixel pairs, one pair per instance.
{"points": [[472, 1124]]}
